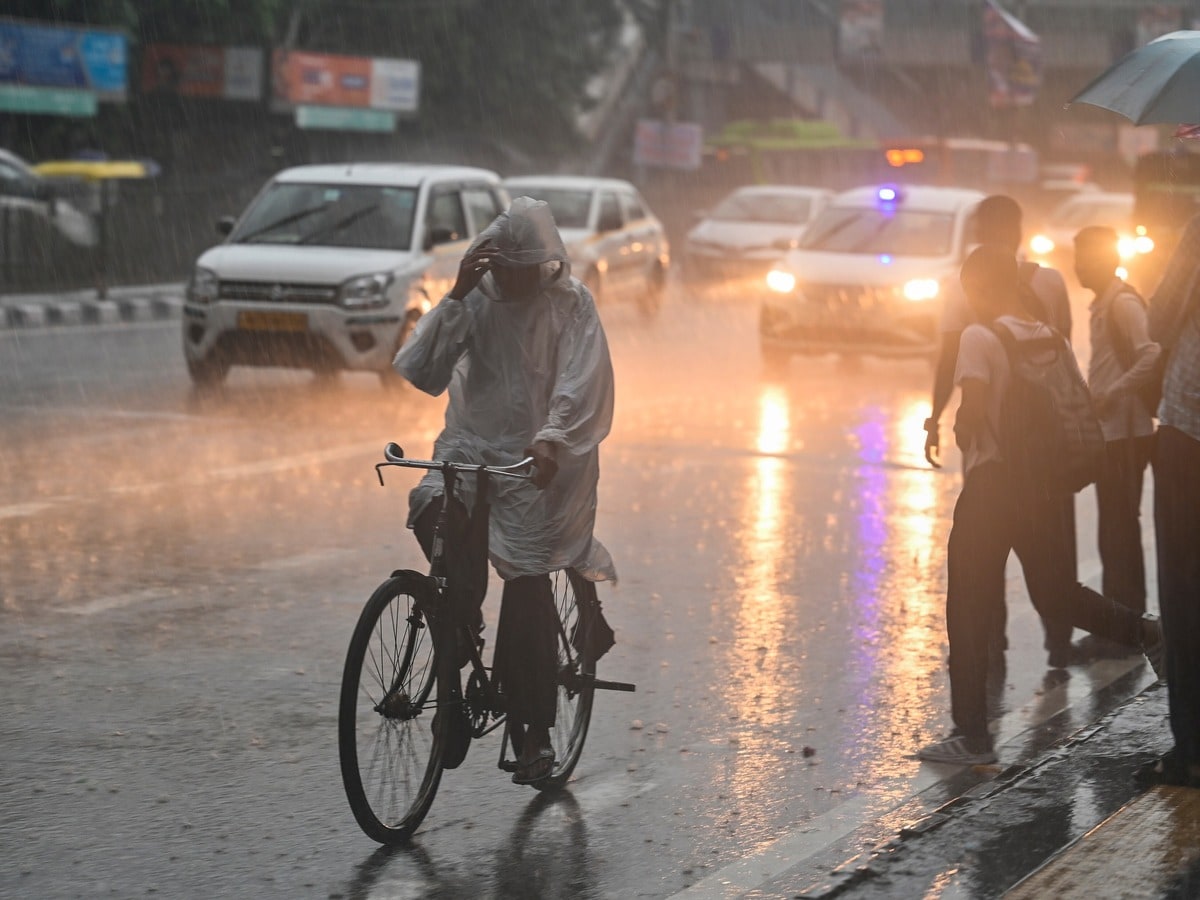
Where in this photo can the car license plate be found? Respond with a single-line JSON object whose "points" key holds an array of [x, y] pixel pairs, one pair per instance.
{"points": [[261, 320]]}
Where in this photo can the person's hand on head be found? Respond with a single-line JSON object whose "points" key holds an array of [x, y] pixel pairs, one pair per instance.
{"points": [[475, 263], [545, 461]]}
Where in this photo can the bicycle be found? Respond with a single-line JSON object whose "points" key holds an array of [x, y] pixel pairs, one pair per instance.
{"points": [[404, 714]]}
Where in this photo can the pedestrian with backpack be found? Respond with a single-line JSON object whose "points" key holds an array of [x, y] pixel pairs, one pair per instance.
{"points": [[1023, 427], [1124, 362], [1043, 293], [1175, 324]]}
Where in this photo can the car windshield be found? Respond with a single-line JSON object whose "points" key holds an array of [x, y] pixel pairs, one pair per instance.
{"points": [[788, 209], [903, 232], [370, 216], [570, 206], [1076, 214]]}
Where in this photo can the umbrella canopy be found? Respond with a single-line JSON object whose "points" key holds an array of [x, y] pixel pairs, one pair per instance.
{"points": [[1155, 84]]}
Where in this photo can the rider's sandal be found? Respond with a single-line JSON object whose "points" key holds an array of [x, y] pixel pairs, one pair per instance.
{"points": [[541, 767]]}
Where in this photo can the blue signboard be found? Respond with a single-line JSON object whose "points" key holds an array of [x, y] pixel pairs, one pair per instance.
{"points": [[41, 56]]}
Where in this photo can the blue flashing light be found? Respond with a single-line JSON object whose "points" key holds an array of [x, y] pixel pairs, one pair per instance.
{"points": [[887, 194], [885, 258]]}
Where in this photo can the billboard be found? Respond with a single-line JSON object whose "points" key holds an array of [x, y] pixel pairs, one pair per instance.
{"points": [[39, 56], [229, 73], [668, 145], [1013, 58], [299, 78]]}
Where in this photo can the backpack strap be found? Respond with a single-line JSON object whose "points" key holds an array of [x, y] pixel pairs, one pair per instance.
{"points": [[1121, 344], [1013, 347]]}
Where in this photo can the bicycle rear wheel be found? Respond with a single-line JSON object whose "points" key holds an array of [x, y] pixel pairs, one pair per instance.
{"points": [[572, 595], [390, 751]]}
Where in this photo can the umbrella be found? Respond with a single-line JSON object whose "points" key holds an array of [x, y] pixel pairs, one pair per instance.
{"points": [[1155, 84]]}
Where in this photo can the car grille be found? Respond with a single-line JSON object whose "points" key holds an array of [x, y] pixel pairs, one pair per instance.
{"points": [[848, 296], [277, 292]]}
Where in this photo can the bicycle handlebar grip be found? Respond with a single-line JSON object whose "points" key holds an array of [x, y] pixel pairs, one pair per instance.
{"points": [[393, 452]]}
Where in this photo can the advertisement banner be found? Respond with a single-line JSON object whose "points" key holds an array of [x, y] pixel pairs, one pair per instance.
{"points": [[1013, 56], [319, 79], [860, 28], [229, 73], [63, 57], [675, 145]]}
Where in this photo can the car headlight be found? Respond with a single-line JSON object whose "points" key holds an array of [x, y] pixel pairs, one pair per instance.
{"points": [[365, 291], [918, 290], [1126, 247], [1041, 245], [204, 286], [1143, 244], [781, 281]]}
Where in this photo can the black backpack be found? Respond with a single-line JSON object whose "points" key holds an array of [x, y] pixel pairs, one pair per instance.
{"points": [[1049, 435], [1149, 393]]}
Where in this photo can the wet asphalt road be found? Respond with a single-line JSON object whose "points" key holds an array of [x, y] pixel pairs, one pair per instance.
{"points": [[181, 577]]}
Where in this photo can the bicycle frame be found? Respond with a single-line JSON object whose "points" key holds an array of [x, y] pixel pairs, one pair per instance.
{"points": [[450, 470], [491, 705]]}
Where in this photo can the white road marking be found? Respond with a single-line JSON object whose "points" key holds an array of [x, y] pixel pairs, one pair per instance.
{"points": [[814, 836], [312, 558], [226, 473], [20, 510], [120, 601]]}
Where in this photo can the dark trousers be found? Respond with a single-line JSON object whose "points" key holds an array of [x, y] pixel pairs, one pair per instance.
{"points": [[526, 658], [994, 516], [1057, 632], [1177, 527], [525, 662], [1119, 505]]}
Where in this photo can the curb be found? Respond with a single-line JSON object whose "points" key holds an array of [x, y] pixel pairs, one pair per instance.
{"points": [[137, 304]]}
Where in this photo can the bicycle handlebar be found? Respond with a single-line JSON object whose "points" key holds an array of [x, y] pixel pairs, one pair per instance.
{"points": [[394, 454]]}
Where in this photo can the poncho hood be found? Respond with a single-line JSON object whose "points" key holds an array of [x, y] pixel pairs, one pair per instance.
{"points": [[526, 235]]}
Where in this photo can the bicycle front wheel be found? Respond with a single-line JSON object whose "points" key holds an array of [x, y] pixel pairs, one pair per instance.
{"points": [[390, 751], [576, 673]]}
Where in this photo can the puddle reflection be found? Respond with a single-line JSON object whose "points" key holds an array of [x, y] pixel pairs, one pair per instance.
{"points": [[895, 586]]}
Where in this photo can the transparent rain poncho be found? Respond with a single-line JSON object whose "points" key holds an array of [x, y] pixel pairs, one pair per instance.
{"points": [[521, 370]]}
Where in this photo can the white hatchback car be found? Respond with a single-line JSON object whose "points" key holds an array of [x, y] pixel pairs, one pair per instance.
{"points": [[330, 267], [870, 275], [617, 246], [749, 230]]}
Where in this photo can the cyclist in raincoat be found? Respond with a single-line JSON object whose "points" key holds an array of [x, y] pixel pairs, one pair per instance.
{"points": [[519, 344]]}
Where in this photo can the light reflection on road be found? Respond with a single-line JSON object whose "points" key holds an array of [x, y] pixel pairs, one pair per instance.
{"points": [[761, 616], [897, 632]]}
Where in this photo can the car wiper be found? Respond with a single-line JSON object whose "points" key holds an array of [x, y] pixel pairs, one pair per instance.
{"points": [[341, 223], [279, 223]]}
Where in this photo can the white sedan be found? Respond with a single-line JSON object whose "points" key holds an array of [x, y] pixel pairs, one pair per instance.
{"points": [[617, 246], [750, 230]]}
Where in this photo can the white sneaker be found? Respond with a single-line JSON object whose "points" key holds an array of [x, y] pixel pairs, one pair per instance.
{"points": [[956, 751]]}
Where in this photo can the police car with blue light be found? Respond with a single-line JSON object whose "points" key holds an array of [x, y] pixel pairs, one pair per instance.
{"points": [[870, 274]]}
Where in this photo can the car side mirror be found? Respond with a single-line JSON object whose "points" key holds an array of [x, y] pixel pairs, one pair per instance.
{"points": [[225, 225]]}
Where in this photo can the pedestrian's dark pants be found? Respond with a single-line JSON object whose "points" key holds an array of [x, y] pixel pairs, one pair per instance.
{"points": [[1177, 529], [994, 516], [1119, 505], [525, 661], [526, 658]]}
